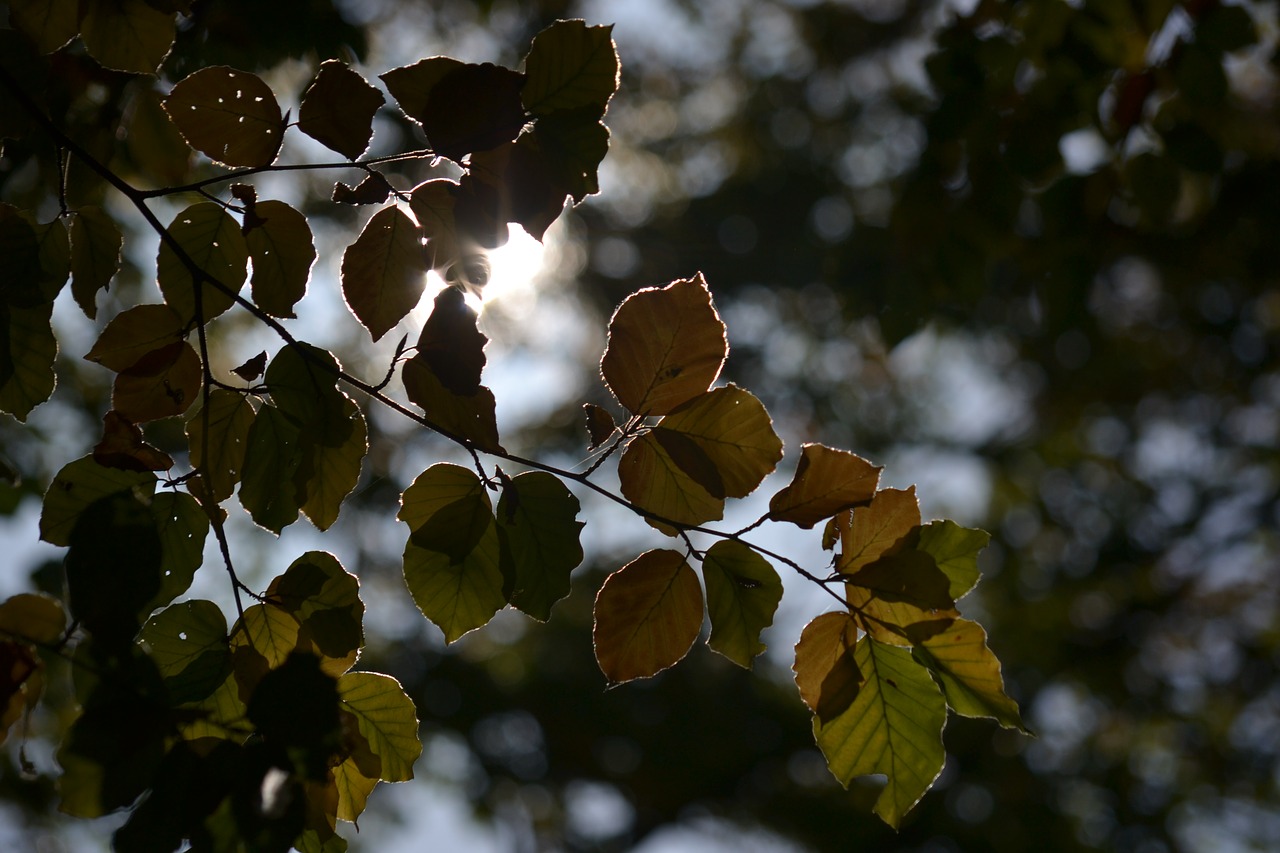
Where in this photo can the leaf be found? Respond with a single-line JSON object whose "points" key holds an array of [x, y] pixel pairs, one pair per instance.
{"points": [[733, 430], [462, 108], [188, 643], [432, 203], [572, 145], [387, 718], [122, 447], [27, 353], [135, 333], [303, 381], [325, 600], [48, 23], [955, 550], [95, 256], [329, 473], [969, 673], [878, 528], [162, 384], [127, 35], [826, 673], [647, 615], [337, 109], [893, 726], [658, 484], [451, 346], [383, 272], [183, 528], [295, 705], [213, 242], [34, 617], [826, 482], [79, 484], [570, 65], [472, 418], [353, 789], [271, 458], [600, 425], [743, 592], [54, 253], [456, 596], [282, 251], [666, 346], [218, 435], [269, 631], [230, 116], [374, 189], [20, 276], [538, 530], [510, 183]]}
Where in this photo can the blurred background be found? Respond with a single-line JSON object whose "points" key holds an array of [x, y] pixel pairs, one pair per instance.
{"points": [[1024, 254]]}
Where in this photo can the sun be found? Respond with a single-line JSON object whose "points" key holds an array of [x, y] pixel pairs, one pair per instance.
{"points": [[513, 271]]}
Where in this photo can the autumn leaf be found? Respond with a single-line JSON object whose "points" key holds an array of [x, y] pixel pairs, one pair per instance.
{"points": [[647, 616], [826, 673], [570, 65], [826, 481], [734, 433], [230, 116], [337, 109], [969, 673], [878, 528], [462, 107], [656, 482], [383, 274]]}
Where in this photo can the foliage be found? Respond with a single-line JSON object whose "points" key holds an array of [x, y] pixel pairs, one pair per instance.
{"points": [[262, 735]]}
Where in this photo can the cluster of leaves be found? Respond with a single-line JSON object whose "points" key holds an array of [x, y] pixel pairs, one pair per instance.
{"points": [[261, 735]]}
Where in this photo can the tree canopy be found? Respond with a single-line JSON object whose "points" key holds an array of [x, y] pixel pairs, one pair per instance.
{"points": [[1018, 252]]}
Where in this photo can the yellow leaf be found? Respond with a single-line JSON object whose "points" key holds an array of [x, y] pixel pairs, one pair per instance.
{"points": [[654, 481], [969, 673], [826, 673], [647, 615], [733, 430], [269, 631], [387, 720], [878, 529], [33, 616]]}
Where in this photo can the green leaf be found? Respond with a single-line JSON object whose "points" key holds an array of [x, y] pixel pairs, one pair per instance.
{"points": [[472, 417], [893, 726], [28, 350], [161, 385], [969, 673], [127, 35], [329, 473], [666, 346], [383, 271], [230, 116], [272, 458], [647, 615], [457, 596], [909, 576], [282, 250], [462, 107], [95, 256], [303, 381], [49, 23], [188, 643], [733, 430], [955, 549], [20, 275], [134, 333], [269, 631], [743, 592], [338, 108], [325, 600], [220, 429], [212, 240], [183, 527], [387, 718], [538, 530], [435, 489], [79, 484], [353, 789], [570, 65], [656, 482], [826, 481]]}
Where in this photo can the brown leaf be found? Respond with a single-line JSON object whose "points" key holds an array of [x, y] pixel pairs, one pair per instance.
{"points": [[122, 446], [338, 108], [162, 384], [647, 615], [450, 344], [826, 481], [252, 369], [383, 275], [374, 189], [826, 674], [462, 108], [230, 116], [600, 425]]}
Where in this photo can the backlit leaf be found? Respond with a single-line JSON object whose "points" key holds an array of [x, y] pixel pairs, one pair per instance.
{"points": [[54, 253], [213, 242], [160, 385], [220, 430], [878, 528], [20, 275], [122, 446], [450, 344], [969, 673], [387, 719], [78, 485], [570, 65], [353, 789], [434, 489], [338, 108], [325, 600], [666, 346], [267, 630], [647, 615], [600, 425], [49, 23], [127, 35], [432, 204], [95, 256], [134, 333], [373, 189], [893, 726], [188, 643], [271, 459], [282, 251], [183, 528], [33, 616], [955, 549], [657, 483], [538, 529], [572, 145], [733, 430], [470, 417], [826, 673], [826, 481], [462, 107], [329, 473], [743, 592], [230, 116], [456, 596], [303, 381], [27, 353], [513, 183], [383, 272]]}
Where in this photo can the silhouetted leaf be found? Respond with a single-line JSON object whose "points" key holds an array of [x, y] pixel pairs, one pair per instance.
{"points": [[183, 527], [432, 204], [27, 353], [572, 145], [271, 459], [462, 107], [969, 673], [48, 23], [374, 189], [220, 429], [230, 116], [826, 481], [893, 726], [538, 529], [95, 256], [570, 65], [122, 447], [329, 472], [76, 486], [743, 592], [188, 643], [600, 425], [303, 381], [212, 240], [666, 346], [161, 384], [451, 346], [733, 430], [470, 417], [127, 35], [647, 615], [383, 272], [338, 108], [252, 369], [282, 251], [134, 333], [20, 275], [296, 705], [514, 183], [325, 600]]}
